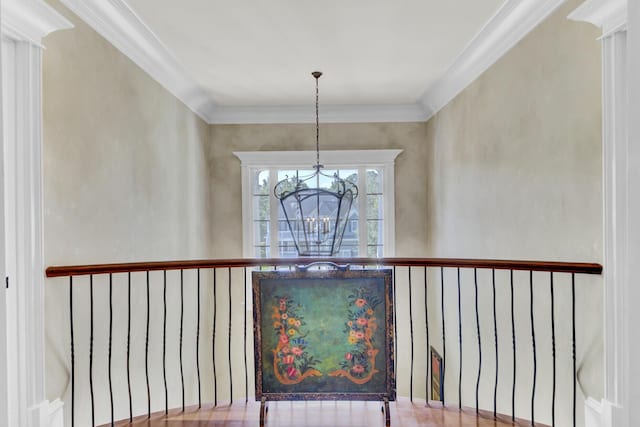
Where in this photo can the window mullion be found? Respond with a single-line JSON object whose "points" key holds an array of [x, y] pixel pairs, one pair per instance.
{"points": [[273, 216], [362, 211]]}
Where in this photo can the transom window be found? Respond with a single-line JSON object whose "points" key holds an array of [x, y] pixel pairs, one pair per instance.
{"points": [[370, 229]]}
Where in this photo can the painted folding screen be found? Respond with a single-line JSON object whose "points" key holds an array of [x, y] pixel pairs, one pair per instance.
{"points": [[324, 335]]}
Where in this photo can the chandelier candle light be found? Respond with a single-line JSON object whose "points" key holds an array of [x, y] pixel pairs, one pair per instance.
{"points": [[317, 216]]}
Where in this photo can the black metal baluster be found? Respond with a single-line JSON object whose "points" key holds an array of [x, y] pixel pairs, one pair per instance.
{"points": [[553, 353], [128, 345], [475, 281], [181, 327], [146, 353], [246, 373], [444, 341], [73, 363], [198, 342], [411, 335], [573, 342], [213, 342], [110, 339], [229, 346], [93, 418], [459, 345], [513, 340], [533, 346], [426, 327], [495, 340], [395, 323], [164, 341]]}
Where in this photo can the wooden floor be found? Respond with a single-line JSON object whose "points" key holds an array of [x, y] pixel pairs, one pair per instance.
{"points": [[326, 414]]}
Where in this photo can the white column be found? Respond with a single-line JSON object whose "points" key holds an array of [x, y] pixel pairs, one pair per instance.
{"points": [[4, 388], [616, 216], [632, 282], [620, 191], [24, 24]]}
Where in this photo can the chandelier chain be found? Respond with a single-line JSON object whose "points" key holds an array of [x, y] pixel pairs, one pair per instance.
{"points": [[317, 124]]}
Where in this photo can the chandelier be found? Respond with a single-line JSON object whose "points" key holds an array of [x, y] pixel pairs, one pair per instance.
{"points": [[317, 206]]}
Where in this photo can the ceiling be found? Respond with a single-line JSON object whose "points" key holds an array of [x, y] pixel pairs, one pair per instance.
{"points": [[250, 61], [261, 53]]}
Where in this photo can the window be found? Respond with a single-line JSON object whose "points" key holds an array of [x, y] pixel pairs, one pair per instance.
{"points": [[370, 230]]}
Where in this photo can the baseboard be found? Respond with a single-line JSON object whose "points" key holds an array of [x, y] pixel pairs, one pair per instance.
{"points": [[593, 413], [603, 414], [56, 414]]}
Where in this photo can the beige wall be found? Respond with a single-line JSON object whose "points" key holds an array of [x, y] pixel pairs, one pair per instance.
{"points": [[123, 157], [125, 178], [518, 153], [411, 199], [515, 172]]}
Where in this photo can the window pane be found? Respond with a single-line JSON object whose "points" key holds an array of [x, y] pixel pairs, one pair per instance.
{"points": [[347, 251], [261, 182], [292, 173], [281, 215], [326, 178], [287, 250], [374, 181], [374, 232], [374, 251], [261, 252], [374, 206], [283, 226], [284, 234], [354, 213], [261, 233], [350, 236], [349, 175], [261, 207], [286, 173]]}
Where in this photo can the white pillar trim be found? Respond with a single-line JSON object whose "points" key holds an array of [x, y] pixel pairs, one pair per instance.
{"points": [[611, 17], [24, 23], [30, 20], [615, 192], [630, 290]]}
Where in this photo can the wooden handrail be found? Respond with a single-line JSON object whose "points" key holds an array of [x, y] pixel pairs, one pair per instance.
{"points": [[560, 267]]}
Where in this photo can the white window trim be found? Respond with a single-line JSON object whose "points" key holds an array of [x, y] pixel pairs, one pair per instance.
{"points": [[250, 161]]}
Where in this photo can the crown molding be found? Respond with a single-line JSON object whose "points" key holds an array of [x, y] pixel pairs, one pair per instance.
{"points": [[609, 15], [120, 25], [31, 20], [511, 23], [328, 114], [116, 21]]}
